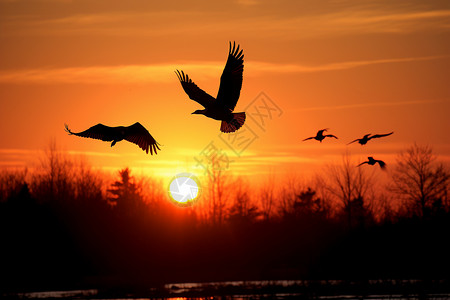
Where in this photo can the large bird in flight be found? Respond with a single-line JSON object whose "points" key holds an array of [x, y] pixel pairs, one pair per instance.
{"points": [[368, 137], [136, 134], [373, 161], [320, 136], [220, 108]]}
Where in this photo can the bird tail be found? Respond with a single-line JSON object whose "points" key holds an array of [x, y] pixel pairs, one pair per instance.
{"points": [[235, 123]]}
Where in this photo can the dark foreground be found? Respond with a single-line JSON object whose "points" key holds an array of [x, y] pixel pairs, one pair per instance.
{"points": [[279, 289]]}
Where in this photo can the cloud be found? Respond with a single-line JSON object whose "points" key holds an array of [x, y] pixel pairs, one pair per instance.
{"points": [[295, 68], [92, 153], [363, 21], [247, 2], [160, 73], [107, 74], [271, 20], [372, 104]]}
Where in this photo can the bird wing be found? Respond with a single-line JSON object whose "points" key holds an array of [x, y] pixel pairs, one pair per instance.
{"points": [[365, 162], [381, 163], [330, 135], [193, 91], [137, 134], [99, 132], [322, 131], [380, 135], [231, 79], [309, 138], [353, 141]]}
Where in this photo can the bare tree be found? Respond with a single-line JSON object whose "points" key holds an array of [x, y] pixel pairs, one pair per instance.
{"points": [[323, 194], [243, 209], [53, 179], [267, 198], [11, 183], [351, 186], [420, 180], [88, 183], [218, 191], [288, 195]]}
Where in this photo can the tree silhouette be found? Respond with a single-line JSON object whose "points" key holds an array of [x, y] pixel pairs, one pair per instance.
{"points": [[219, 191], [53, 180], [308, 203], [243, 209], [126, 193], [420, 180], [11, 183], [267, 198], [351, 186]]}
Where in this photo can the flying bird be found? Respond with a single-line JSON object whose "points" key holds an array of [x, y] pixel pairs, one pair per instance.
{"points": [[368, 137], [220, 108], [320, 136], [136, 134], [373, 161]]}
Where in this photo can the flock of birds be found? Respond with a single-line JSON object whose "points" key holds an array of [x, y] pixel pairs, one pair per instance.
{"points": [[371, 161], [220, 108]]}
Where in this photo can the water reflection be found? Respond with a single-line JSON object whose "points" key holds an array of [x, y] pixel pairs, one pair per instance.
{"points": [[259, 290]]}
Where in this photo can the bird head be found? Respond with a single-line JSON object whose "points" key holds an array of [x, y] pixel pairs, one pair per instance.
{"points": [[199, 112]]}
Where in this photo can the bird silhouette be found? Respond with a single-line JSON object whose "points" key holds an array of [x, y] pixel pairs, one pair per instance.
{"points": [[136, 134], [220, 108], [373, 161], [368, 137], [320, 136]]}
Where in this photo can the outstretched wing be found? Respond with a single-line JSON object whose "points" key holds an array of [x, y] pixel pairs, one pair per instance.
{"points": [[137, 134], [380, 135], [330, 135], [231, 79], [381, 163], [353, 141], [193, 91], [320, 132], [310, 138], [365, 162], [99, 132]]}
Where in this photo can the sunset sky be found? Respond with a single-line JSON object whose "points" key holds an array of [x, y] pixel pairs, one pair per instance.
{"points": [[353, 66]]}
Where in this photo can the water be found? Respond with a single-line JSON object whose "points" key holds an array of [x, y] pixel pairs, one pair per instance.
{"points": [[258, 290]]}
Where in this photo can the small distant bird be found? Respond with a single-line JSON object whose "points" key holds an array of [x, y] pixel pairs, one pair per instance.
{"points": [[320, 136], [220, 108], [367, 138], [373, 161], [136, 134]]}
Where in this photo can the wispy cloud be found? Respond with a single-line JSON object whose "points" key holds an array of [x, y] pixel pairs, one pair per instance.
{"points": [[372, 104], [379, 17], [16, 158], [164, 72], [91, 153], [296, 68], [353, 21], [352, 18], [107, 74]]}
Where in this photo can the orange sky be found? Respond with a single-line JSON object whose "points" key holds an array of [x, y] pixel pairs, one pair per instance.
{"points": [[355, 67]]}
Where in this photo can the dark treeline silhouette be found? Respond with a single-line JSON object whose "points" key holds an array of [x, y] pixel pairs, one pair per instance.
{"points": [[65, 226]]}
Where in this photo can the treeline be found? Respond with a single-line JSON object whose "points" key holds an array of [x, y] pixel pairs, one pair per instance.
{"points": [[65, 225]]}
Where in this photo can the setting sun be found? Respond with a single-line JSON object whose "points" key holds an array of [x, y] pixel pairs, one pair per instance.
{"points": [[184, 189]]}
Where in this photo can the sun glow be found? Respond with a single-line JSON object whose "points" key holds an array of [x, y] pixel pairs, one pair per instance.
{"points": [[184, 189]]}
